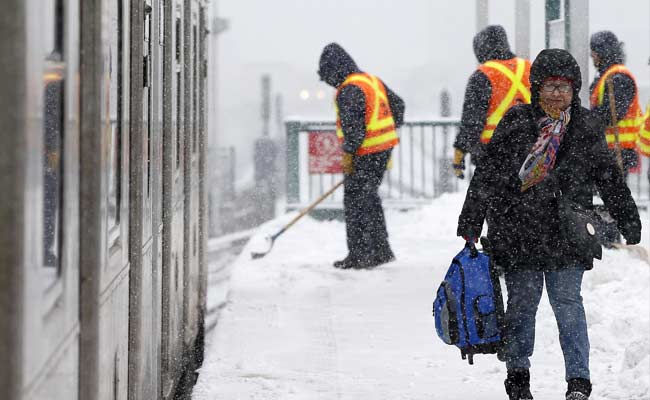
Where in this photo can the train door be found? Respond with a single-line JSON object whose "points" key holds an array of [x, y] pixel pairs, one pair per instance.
{"points": [[173, 197], [104, 199], [144, 302], [39, 260], [157, 51]]}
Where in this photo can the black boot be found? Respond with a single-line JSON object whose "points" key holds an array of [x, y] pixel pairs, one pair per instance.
{"points": [[579, 389], [518, 385]]}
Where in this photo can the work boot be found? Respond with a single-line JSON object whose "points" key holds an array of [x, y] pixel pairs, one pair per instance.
{"points": [[348, 262], [518, 385], [383, 257], [356, 262], [579, 389]]}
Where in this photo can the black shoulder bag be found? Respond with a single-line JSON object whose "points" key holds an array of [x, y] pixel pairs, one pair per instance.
{"points": [[580, 228]]}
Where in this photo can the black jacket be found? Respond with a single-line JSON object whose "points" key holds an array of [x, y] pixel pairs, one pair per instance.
{"points": [[524, 228], [334, 67], [489, 44]]}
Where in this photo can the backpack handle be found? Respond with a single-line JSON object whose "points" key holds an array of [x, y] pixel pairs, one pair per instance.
{"points": [[473, 251]]}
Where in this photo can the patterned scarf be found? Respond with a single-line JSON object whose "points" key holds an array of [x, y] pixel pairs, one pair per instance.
{"points": [[541, 159]]}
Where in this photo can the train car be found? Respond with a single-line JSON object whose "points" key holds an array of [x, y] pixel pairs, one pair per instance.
{"points": [[102, 272]]}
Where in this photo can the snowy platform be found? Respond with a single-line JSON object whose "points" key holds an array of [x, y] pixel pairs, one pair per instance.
{"points": [[296, 328]]}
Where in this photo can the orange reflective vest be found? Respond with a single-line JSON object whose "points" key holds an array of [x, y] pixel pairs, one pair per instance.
{"points": [[381, 133], [510, 81], [643, 143], [628, 127]]}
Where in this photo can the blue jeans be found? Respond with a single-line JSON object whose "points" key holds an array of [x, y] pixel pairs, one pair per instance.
{"points": [[524, 293]]}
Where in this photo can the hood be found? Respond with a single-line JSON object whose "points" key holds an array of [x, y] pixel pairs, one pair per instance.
{"points": [[492, 44], [554, 62], [335, 65], [609, 49]]}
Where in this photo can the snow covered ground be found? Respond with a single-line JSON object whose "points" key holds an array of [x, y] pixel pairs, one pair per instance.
{"points": [[296, 328]]}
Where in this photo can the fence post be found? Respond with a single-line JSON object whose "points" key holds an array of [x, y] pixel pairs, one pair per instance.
{"points": [[445, 160], [293, 162]]}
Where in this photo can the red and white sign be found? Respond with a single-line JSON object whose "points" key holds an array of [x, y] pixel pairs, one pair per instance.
{"points": [[325, 153]]}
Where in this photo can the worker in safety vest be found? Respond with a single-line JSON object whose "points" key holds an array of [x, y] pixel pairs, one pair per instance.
{"points": [[501, 81], [368, 114], [608, 57]]}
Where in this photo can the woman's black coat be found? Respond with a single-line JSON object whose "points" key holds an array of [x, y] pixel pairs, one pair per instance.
{"points": [[523, 228]]}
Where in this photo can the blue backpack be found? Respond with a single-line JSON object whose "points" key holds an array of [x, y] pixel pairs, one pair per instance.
{"points": [[468, 309]]}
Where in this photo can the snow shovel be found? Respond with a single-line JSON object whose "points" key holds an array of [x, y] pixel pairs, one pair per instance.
{"points": [[271, 239]]}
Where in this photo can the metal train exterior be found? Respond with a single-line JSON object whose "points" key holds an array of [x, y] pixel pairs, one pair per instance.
{"points": [[102, 272]]}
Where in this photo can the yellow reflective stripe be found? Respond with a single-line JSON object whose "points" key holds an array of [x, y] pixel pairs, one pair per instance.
{"points": [[630, 123], [603, 79], [487, 134], [645, 135], [373, 82], [370, 80], [515, 87], [622, 137], [374, 141], [644, 148], [379, 125]]}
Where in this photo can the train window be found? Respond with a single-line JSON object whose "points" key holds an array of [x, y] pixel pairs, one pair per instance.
{"points": [[161, 22], [53, 23], [178, 39], [53, 138], [115, 70]]}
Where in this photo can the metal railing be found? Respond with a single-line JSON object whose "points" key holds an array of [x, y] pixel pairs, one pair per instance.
{"points": [[421, 167]]}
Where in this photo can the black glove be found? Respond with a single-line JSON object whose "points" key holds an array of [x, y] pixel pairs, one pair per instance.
{"points": [[632, 233]]}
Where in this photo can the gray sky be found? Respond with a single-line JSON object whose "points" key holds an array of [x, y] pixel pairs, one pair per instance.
{"points": [[416, 46]]}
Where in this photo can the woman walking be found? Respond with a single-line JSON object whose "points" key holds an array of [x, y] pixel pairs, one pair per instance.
{"points": [[542, 155]]}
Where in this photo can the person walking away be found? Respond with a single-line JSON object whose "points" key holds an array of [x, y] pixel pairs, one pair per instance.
{"points": [[625, 117], [368, 114], [501, 81], [541, 154]]}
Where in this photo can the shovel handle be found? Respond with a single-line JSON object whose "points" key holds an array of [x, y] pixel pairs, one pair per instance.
{"points": [[614, 115], [308, 209]]}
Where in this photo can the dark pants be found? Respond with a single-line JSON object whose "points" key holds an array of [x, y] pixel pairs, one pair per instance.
{"points": [[364, 215]]}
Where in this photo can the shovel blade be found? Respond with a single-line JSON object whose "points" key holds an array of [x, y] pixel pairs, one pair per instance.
{"points": [[256, 255]]}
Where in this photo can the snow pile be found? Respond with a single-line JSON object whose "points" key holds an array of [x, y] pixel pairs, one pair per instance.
{"points": [[296, 328]]}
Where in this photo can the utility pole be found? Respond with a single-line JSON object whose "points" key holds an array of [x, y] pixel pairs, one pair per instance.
{"points": [[217, 191], [481, 14], [569, 29], [265, 152], [576, 30], [522, 28], [445, 161], [266, 104]]}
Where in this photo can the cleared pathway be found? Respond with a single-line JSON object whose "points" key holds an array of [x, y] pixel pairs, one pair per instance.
{"points": [[294, 327]]}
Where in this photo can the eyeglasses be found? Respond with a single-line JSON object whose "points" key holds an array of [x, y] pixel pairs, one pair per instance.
{"points": [[563, 88]]}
